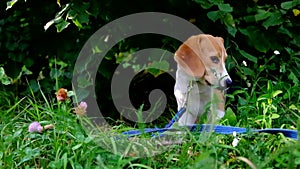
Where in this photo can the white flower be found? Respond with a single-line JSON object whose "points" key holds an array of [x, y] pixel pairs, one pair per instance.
{"points": [[235, 140], [276, 52], [234, 134], [244, 63]]}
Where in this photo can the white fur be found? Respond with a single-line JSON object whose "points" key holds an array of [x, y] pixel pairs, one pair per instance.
{"points": [[199, 96]]}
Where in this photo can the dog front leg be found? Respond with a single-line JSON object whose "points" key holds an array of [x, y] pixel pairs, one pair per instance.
{"points": [[193, 109], [217, 108]]}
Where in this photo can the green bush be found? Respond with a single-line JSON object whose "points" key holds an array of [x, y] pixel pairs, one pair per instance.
{"points": [[40, 42]]}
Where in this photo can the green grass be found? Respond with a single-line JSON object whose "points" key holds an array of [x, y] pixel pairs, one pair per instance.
{"points": [[69, 145]]}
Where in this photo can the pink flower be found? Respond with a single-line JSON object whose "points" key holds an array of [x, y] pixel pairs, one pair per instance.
{"points": [[35, 127], [83, 105], [80, 109]]}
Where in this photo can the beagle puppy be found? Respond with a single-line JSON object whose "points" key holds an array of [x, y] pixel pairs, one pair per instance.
{"points": [[201, 78]]}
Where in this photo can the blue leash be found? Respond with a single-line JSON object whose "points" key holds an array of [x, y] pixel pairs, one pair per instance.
{"points": [[176, 117], [217, 129], [293, 134], [160, 130]]}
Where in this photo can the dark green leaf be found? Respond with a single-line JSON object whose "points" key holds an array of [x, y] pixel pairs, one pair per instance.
{"points": [[213, 15], [293, 78], [71, 14], [81, 94], [274, 19], [83, 81], [262, 14], [83, 18], [287, 5], [257, 38], [247, 71], [225, 7], [242, 101], [230, 116], [55, 73], [231, 30], [248, 56], [34, 86], [25, 71], [285, 31], [228, 20], [154, 72], [244, 31], [156, 68], [12, 46], [162, 65], [296, 70], [249, 18], [204, 4], [77, 23], [296, 40], [62, 25]]}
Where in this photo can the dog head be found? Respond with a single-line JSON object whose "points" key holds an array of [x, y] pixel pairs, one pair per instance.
{"points": [[203, 56]]}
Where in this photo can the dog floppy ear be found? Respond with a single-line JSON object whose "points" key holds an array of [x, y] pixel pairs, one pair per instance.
{"points": [[187, 56], [220, 39]]}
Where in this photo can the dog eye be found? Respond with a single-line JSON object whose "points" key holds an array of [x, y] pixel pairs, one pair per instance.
{"points": [[215, 59]]}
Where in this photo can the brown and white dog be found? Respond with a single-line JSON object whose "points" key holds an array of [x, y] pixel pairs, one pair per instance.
{"points": [[201, 63]]}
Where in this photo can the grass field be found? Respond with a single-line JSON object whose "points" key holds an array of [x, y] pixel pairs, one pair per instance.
{"points": [[69, 145]]}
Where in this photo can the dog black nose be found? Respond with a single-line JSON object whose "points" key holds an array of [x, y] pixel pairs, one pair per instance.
{"points": [[228, 81]]}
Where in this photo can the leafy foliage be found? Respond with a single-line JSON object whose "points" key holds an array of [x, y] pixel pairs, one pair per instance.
{"points": [[40, 42]]}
